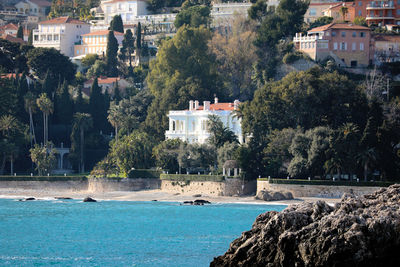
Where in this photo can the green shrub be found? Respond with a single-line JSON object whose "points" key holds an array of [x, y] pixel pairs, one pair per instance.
{"points": [[144, 173], [326, 182], [43, 178], [192, 177], [291, 57]]}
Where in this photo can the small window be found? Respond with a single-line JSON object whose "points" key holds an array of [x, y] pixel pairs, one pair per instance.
{"points": [[360, 13], [354, 34], [398, 12], [334, 46], [343, 46], [36, 37], [353, 46], [360, 3], [49, 37], [55, 37], [361, 46], [343, 34], [362, 34], [333, 33], [353, 63]]}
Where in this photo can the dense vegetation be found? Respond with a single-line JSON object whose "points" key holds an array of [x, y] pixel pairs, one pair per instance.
{"points": [[317, 123]]}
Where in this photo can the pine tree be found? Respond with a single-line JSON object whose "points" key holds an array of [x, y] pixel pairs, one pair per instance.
{"points": [[49, 85], [117, 95], [20, 33], [116, 24], [111, 57], [128, 47]]}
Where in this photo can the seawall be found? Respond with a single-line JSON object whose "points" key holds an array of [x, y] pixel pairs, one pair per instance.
{"points": [[331, 191], [229, 187], [67, 186], [122, 184]]}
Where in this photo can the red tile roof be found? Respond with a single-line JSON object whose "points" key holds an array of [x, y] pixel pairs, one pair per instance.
{"points": [[9, 26], [42, 3], [10, 75], [104, 32], [13, 39], [342, 26], [63, 20], [104, 80], [219, 106]]}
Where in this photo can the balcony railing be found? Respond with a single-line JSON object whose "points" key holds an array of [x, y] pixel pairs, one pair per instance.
{"points": [[369, 17], [381, 5]]}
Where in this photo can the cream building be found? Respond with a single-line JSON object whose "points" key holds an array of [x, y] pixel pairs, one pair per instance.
{"points": [[95, 43], [37, 8], [128, 9], [191, 125], [60, 33]]}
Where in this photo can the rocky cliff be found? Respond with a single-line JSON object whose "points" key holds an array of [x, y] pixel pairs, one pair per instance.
{"points": [[358, 231]]}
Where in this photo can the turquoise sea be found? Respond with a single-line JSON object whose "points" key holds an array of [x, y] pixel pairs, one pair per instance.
{"points": [[114, 233]]}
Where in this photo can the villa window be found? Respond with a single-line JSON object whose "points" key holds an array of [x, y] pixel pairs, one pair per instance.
{"points": [[334, 46], [360, 3], [49, 37], [354, 34], [362, 34], [343, 46], [353, 46], [55, 37], [343, 34], [36, 38], [333, 33], [313, 12], [360, 13], [361, 46], [398, 12], [390, 13]]}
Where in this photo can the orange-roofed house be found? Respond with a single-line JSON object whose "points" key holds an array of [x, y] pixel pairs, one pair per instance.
{"points": [[10, 29], [348, 44], [107, 83], [61, 33], [335, 12], [191, 125], [95, 43]]}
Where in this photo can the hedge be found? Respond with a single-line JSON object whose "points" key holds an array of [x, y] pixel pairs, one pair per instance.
{"points": [[43, 178], [192, 177], [144, 173], [326, 182]]}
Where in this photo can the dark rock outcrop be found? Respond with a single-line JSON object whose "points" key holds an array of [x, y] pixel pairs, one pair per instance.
{"points": [[63, 198], [27, 199], [274, 195], [197, 202], [358, 231], [89, 199]]}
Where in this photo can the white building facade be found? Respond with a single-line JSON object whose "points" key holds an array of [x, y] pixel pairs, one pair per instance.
{"points": [[128, 9], [191, 125], [60, 33]]}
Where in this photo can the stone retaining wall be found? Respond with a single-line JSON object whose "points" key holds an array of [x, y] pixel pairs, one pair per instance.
{"points": [[125, 184], [73, 186], [316, 190], [230, 187]]}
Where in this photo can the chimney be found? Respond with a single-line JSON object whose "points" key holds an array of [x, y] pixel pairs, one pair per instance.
{"points": [[191, 105], [206, 105], [216, 100], [196, 105], [236, 104]]}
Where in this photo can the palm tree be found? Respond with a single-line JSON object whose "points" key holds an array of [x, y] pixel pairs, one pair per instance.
{"points": [[82, 121], [47, 107], [30, 107], [365, 158], [114, 117], [344, 10]]}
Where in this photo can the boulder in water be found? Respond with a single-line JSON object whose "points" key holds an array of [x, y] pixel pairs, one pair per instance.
{"points": [[89, 199], [268, 195], [358, 231]]}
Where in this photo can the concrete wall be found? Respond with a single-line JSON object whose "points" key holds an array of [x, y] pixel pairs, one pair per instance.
{"points": [[107, 184], [230, 187], [71, 186], [316, 190]]}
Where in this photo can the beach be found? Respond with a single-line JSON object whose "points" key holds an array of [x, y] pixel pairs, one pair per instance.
{"points": [[147, 195]]}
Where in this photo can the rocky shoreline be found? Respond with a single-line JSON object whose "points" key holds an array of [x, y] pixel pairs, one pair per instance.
{"points": [[357, 231]]}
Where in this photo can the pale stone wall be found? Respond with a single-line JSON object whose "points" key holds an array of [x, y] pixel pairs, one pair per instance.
{"points": [[71, 186], [316, 190], [123, 184], [230, 187]]}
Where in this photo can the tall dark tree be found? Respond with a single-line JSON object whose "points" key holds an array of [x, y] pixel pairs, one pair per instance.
{"points": [[30, 37], [63, 105], [111, 57], [20, 32], [128, 47], [139, 40], [98, 107], [116, 24]]}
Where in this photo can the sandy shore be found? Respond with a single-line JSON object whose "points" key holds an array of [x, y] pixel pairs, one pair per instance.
{"points": [[146, 195]]}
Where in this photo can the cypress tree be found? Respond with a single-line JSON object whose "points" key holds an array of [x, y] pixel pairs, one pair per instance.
{"points": [[97, 107], [79, 102], [30, 38], [116, 24], [111, 57], [64, 105], [117, 94], [20, 33], [139, 40]]}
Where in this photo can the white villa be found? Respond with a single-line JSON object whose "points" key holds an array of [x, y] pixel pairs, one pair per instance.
{"points": [[191, 125], [60, 33]]}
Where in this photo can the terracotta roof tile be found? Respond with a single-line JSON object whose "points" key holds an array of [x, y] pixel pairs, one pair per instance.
{"points": [[9, 26], [13, 39], [339, 26], [63, 20]]}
